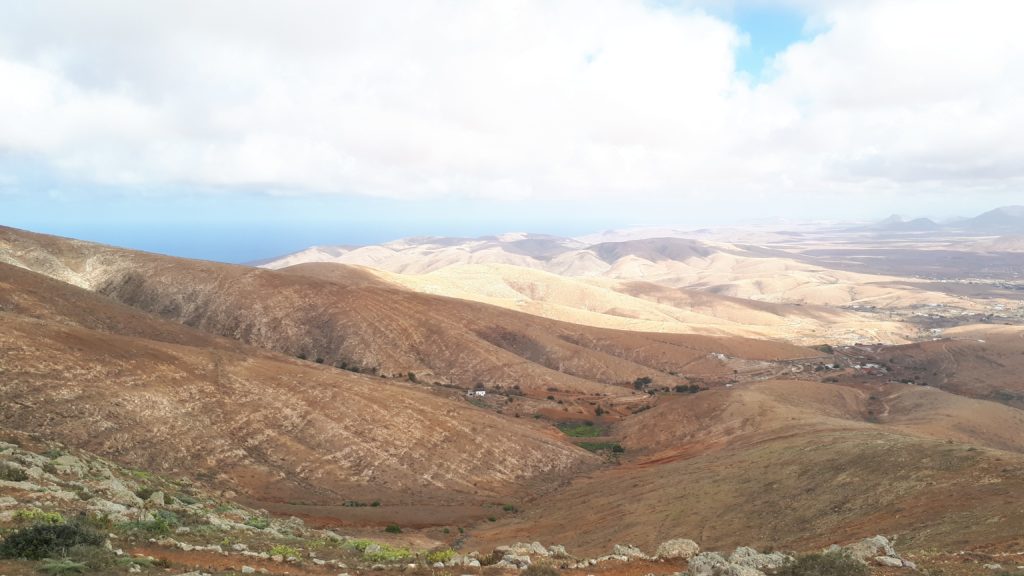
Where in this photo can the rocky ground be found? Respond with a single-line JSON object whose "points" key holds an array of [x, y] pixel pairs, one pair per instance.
{"points": [[156, 525]]}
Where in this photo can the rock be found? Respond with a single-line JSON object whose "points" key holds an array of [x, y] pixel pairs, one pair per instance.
{"points": [[239, 547], [134, 568], [248, 570], [744, 556], [629, 551], [869, 548], [277, 558], [527, 549], [889, 561], [558, 551], [438, 565], [116, 491], [68, 464], [7, 501], [707, 564], [156, 499], [517, 560], [992, 566], [474, 563], [678, 548]]}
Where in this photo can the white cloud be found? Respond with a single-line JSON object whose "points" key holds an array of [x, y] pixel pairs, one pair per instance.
{"points": [[525, 99]]}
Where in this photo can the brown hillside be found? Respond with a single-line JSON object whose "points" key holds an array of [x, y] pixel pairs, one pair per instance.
{"points": [[344, 318], [159, 396], [800, 465]]}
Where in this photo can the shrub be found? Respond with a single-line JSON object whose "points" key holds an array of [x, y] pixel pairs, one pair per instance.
{"points": [[58, 567], [145, 493], [258, 522], [440, 556], [38, 542], [386, 553], [12, 474], [161, 525], [95, 558], [285, 551], [393, 529], [37, 516], [642, 382], [540, 569], [510, 508], [827, 564], [614, 447], [584, 430], [360, 544], [375, 503]]}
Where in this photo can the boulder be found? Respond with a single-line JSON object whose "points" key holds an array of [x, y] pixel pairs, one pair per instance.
{"points": [[678, 548], [870, 548], [628, 550], [707, 564], [744, 556], [713, 564], [889, 561], [71, 465], [558, 551]]}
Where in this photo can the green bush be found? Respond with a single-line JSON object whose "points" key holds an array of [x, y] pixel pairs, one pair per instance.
{"points": [[383, 552], [258, 522], [43, 540], [59, 567], [393, 529], [285, 551], [37, 516], [827, 564], [583, 430], [440, 556], [602, 447], [388, 554]]}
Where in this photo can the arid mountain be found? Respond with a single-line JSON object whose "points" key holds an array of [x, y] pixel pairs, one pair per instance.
{"points": [[1007, 219], [647, 306], [160, 396], [245, 379], [344, 317], [541, 275]]}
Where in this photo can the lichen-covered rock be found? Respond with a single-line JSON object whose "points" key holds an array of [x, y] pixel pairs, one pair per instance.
{"points": [[745, 556], [627, 550], [678, 548], [870, 548], [707, 564]]}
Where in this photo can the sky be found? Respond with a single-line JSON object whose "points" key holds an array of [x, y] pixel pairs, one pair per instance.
{"points": [[241, 129]]}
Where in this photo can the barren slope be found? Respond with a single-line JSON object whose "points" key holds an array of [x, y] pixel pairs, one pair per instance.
{"points": [[344, 318], [156, 395], [646, 306], [800, 465]]}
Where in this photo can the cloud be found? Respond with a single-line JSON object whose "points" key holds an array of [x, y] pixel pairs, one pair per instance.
{"points": [[525, 100]]}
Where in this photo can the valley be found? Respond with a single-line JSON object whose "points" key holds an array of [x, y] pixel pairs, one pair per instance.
{"points": [[476, 393]]}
